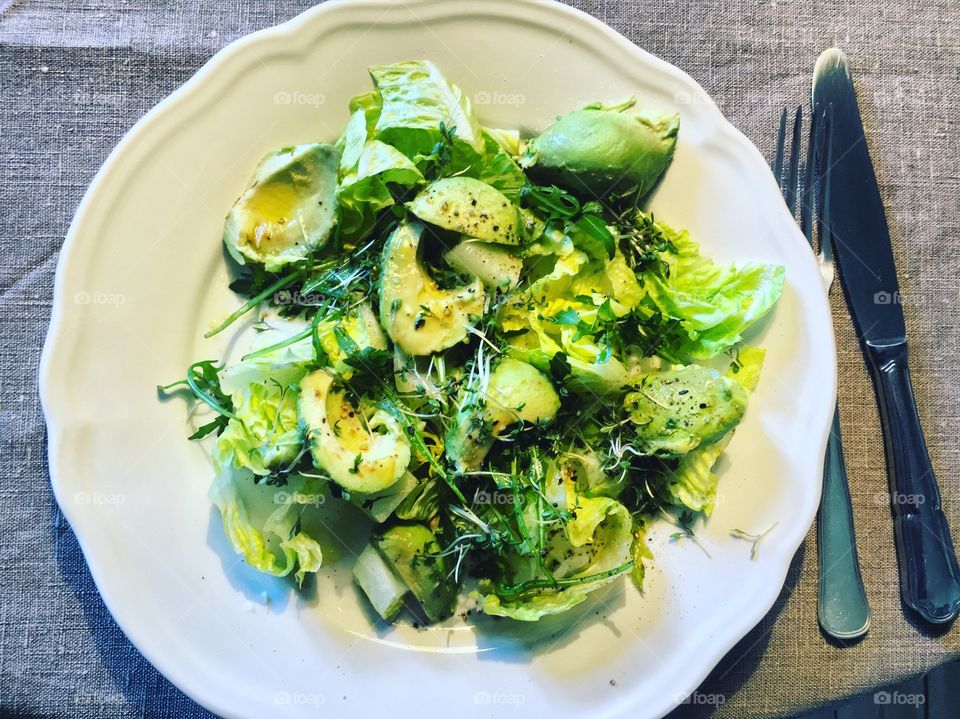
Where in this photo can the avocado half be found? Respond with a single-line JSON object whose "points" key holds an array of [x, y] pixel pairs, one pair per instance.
{"points": [[598, 153], [288, 209]]}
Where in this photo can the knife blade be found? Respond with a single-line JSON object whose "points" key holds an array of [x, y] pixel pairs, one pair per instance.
{"points": [[855, 219]]}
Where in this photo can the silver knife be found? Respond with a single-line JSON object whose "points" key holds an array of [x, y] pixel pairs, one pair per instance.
{"points": [[929, 573]]}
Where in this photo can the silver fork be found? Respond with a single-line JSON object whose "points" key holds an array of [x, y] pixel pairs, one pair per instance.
{"points": [[842, 602]]}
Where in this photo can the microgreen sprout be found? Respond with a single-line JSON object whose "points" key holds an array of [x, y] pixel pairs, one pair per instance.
{"points": [[754, 539]]}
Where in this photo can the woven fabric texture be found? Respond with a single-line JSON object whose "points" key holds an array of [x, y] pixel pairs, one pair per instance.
{"points": [[74, 76]]}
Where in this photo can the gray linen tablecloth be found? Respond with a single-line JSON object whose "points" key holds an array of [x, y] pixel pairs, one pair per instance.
{"points": [[74, 76]]}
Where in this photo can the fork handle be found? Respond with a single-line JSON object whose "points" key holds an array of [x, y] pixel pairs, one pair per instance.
{"points": [[842, 602], [929, 574]]}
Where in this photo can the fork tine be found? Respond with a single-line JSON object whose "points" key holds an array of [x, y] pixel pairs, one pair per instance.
{"points": [[778, 157], [824, 167], [793, 173], [809, 173]]}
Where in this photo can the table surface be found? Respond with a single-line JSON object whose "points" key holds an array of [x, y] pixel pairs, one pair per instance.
{"points": [[74, 76]]}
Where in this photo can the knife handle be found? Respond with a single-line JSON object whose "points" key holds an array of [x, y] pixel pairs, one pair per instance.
{"points": [[929, 574], [842, 602]]}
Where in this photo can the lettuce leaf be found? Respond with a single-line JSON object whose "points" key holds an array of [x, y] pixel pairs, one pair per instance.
{"points": [[592, 371], [416, 99], [286, 365], [746, 367], [266, 432], [582, 466], [508, 140], [640, 551], [393, 136], [589, 552], [714, 304], [262, 522], [693, 483], [543, 308], [371, 172], [498, 169], [369, 104]]}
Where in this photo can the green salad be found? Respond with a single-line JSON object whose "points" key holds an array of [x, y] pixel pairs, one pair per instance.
{"points": [[478, 349]]}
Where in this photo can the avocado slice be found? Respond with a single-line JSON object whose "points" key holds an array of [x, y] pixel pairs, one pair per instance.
{"points": [[676, 411], [360, 456], [515, 391], [411, 550], [288, 209], [379, 583], [599, 152], [491, 264], [360, 325], [470, 207], [418, 315]]}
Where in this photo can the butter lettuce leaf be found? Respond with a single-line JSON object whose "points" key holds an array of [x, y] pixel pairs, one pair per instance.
{"points": [[498, 169], [415, 99], [265, 433], [693, 484], [262, 522], [715, 304], [590, 551], [371, 174], [413, 122]]}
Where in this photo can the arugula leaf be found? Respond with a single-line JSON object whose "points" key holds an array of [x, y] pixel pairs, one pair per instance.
{"points": [[371, 367], [203, 380], [217, 425], [560, 367], [569, 316], [595, 226], [550, 199]]}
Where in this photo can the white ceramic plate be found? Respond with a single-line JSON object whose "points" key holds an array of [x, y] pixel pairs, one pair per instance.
{"points": [[142, 274]]}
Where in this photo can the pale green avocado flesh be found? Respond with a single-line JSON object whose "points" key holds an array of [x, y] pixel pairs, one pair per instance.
{"points": [[516, 391], [677, 411], [470, 207], [289, 208], [365, 457], [492, 264], [420, 316]]}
